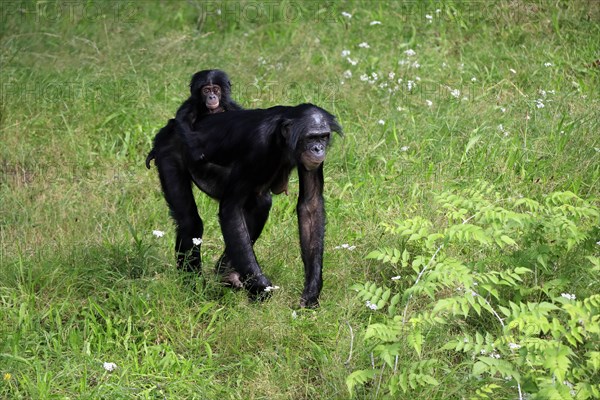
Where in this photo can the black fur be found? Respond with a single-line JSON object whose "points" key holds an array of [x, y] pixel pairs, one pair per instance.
{"points": [[260, 148]]}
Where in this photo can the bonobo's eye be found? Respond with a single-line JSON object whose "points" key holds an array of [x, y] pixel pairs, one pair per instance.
{"points": [[321, 135], [217, 90], [206, 90]]}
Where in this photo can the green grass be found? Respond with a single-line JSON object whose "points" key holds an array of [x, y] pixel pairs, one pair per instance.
{"points": [[85, 86]]}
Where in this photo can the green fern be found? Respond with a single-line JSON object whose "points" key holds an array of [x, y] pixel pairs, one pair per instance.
{"points": [[481, 263]]}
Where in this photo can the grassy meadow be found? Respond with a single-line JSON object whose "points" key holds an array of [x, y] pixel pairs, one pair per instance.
{"points": [[433, 96]]}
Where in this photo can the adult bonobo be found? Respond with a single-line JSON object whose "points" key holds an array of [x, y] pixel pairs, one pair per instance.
{"points": [[210, 93], [260, 148]]}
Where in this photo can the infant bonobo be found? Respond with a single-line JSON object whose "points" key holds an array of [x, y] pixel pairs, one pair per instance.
{"points": [[210, 92]]}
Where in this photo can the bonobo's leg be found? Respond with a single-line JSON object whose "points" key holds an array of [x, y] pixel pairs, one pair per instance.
{"points": [[311, 222], [256, 213], [176, 185], [238, 242]]}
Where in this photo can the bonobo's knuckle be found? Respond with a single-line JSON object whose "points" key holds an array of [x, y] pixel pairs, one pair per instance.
{"points": [[256, 286]]}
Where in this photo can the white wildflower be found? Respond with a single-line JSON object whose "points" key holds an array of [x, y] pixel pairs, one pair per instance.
{"points": [[547, 64], [455, 93], [539, 103], [466, 340], [197, 241], [391, 75], [345, 246], [598, 150], [158, 233], [513, 71], [346, 14], [571, 387], [483, 352], [364, 45], [568, 296], [473, 79], [271, 288], [294, 314], [438, 11], [501, 129], [381, 122], [364, 77], [374, 76], [410, 85], [345, 53], [109, 366], [404, 148], [495, 355], [347, 74], [429, 103], [429, 18], [514, 346], [371, 305], [444, 65], [375, 23], [396, 278], [503, 109], [410, 52], [351, 61]]}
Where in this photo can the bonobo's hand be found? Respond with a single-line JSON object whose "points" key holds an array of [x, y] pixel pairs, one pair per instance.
{"points": [[257, 287]]}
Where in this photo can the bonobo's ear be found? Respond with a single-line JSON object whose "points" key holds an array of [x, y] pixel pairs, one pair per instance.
{"points": [[291, 131], [334, 125]]}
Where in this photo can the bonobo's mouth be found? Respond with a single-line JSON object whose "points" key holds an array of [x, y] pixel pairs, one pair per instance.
{"points": [[311, 165], [212, 104]]}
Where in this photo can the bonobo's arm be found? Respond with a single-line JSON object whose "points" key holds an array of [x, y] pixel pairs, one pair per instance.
{"points": [[311, 223]]}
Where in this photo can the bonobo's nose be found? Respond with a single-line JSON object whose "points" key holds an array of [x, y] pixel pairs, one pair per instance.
{"points": [[317, 148]]}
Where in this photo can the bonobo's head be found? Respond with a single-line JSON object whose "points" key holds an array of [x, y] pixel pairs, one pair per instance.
{"points": [[211, 88], [307, 131]]}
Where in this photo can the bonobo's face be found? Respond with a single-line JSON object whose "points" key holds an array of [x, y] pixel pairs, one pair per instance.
{"points": [[313, 144], [211, 95]]}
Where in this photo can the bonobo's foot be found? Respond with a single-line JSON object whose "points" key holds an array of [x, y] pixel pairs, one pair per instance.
{"points": [[309, 300], [310, 303], [229, 277], [258, 287], [233, 279]]}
